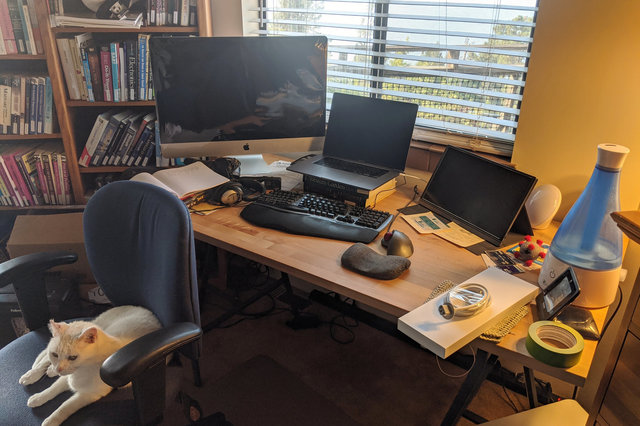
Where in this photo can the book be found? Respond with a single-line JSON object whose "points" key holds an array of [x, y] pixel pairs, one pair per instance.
{"points": [[6, 28], [443, 337], [48, 106], [131, 61], [5, 105], [117, 140], [29, 42], [133, 122], [83, 41], [107, 136], [94, 137], [115, 70], [183, 181], [90, 21], [141, 145], [95, 71], [136, 138], [15, 105], [35, 26], [77, 67], [105, 64], [16, 23], [143, 44], [68, 69]]}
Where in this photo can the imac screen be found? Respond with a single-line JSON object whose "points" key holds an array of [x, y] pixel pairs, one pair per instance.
{"points": [[479, 194], [235, 95]]}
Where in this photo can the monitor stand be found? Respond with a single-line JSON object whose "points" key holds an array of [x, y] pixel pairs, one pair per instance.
{"points": [[252, 164]]}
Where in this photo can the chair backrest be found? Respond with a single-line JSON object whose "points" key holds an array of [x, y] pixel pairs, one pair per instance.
{"points": [[140, 247]]}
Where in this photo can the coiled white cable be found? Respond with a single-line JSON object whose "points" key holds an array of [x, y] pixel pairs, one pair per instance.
{"points": [[465, 300]]}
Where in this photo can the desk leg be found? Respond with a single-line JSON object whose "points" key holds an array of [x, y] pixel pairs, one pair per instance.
{"points": [[530, 382], [483, 365]]}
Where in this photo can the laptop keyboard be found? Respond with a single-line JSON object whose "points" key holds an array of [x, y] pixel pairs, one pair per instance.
{"points": [[347, 166]]}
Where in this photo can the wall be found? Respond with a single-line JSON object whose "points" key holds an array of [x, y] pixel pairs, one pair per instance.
{"points": [[582, 89]]}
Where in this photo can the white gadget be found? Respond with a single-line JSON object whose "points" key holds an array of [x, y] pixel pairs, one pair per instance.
{"points": [[465, 300]]}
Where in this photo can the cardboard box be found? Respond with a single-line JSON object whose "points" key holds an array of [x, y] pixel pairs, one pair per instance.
{"points": [[38, 233]]}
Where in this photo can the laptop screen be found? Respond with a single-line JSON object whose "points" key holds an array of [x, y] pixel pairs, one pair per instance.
{"points": [[479, 194], [369, 130]]}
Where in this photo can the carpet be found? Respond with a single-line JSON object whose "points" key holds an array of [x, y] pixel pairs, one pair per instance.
{"points": [[262, 392]]}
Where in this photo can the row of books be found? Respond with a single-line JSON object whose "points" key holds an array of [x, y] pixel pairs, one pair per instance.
{"points": [[26, 105], [112, 71], [151, 13], [121, 138], [34, 174], [172, 12], [19, 28]]}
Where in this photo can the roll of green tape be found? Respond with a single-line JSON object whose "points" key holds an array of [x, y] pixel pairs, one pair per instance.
{"points": [[554, 343]]}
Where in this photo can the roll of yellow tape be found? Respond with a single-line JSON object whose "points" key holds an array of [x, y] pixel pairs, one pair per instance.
{"points": [[554, 343]]}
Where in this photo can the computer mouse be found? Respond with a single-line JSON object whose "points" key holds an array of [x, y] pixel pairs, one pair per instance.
{"points": [[397, 244]]}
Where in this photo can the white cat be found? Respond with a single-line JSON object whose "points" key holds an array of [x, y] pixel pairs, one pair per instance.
{"points": [[76, 352]]}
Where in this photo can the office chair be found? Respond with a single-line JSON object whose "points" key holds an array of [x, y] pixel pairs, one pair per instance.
{"points": [[140, 247]]}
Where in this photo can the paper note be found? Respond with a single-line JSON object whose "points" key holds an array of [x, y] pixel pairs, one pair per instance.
{"points": [[425, 223], [458, 235]]}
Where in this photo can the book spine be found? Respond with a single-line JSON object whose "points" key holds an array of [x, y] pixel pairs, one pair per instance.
{"points": [[5, 106], [184, 13], [6, 195], [33, 110], [26, 27], [27, 106], [104, 142], [122, 68], [131, 69], [193, 13], [48, 106], [105, 61], [92, 141], [16, 22], [68, 70], [95, 72], [19, 184], [35, 25], [3, 48], [42, 178], [16, 200], [65, 179], [7, 29], [115, 79], [76, 62], [142, 63], [15, 105], [40, 105], [26, 162], [30, 189], [87, 74], [150, 152], [139, 147], [53, 171]]}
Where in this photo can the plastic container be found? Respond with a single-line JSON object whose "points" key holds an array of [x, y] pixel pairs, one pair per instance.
{"points": [[588, 239]]}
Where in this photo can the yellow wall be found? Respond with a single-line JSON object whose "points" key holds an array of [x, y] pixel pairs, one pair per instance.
{"points": [[583, 88]]}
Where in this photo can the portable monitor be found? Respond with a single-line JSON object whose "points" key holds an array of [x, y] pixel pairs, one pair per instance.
{"points": [[481, 195]]}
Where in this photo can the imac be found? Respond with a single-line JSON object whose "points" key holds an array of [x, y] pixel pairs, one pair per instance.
{"points": [[223, 96]]}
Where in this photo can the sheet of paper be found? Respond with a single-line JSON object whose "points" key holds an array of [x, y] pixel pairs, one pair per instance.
{"points": [[149, 178], [425, 223], [190, 179], [458, 235]]}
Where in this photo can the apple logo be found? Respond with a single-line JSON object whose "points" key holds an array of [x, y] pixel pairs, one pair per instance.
{"points": [[245, 147]]}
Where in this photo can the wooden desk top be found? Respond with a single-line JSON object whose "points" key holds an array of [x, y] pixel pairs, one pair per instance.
{"points": [[317, 261]]}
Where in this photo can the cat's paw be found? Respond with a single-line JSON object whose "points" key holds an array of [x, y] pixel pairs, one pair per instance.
{"points": [[30, 377], [36, 400], [51, 371]]}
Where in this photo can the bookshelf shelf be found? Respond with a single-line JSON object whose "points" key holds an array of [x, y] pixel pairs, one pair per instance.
{"points": [[148, 30], [30, 137], [81, 104], [103, 169], [22, 57]]}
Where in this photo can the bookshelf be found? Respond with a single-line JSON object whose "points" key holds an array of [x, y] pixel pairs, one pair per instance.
{"points": [[20, 68], [76, 117]]}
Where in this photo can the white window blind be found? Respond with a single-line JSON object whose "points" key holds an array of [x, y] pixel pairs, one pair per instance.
{"points": [[463, 62]]}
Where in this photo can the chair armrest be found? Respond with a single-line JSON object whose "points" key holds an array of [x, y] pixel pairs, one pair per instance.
{"points": [[26, 273], [18, 268], [131, 360]]}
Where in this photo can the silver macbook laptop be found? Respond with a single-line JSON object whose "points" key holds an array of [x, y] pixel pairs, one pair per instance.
{"points": [[366, 144]]}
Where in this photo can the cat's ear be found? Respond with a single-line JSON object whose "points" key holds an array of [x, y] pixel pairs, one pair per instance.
{"points": [[57, 328], [89, 335]]}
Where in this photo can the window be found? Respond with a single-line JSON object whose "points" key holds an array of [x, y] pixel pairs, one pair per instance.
{"points": [[463, 62]]}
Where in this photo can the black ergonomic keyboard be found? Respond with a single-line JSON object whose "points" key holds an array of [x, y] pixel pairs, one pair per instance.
{"points": [[317, 216], [348, 166]]}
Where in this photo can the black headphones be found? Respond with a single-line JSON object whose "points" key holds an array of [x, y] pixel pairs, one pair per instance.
{"points": [[234, 191]]}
